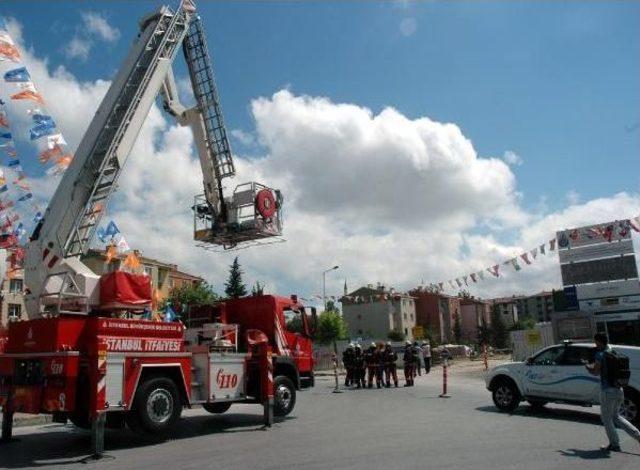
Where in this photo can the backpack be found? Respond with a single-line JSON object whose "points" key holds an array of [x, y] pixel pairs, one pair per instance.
{"points": [[617, 367]]}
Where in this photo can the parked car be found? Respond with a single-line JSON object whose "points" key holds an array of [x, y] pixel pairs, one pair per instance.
{"points": [[557, 374]]}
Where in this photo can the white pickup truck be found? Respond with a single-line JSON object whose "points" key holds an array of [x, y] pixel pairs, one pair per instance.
{"points": [[557, 374]]}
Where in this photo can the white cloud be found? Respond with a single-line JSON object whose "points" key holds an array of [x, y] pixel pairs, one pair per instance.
{"points": [[387, 198], [94, 26], [78, 48], [573, 197], [408, 26], [97, 25], [512, 158], [245, 138]]}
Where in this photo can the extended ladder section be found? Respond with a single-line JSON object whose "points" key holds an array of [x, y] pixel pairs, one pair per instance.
{"points": [[113, 144], [206, 94]]}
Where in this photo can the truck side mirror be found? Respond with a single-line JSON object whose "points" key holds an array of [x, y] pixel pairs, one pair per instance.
{"points": [[529, 361]]}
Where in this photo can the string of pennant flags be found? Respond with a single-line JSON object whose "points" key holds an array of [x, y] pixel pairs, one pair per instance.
{"points": [[53, 153], [18, 208], [606, 232]]}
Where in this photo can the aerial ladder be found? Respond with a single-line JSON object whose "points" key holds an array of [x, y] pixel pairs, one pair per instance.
{"points": [[57, 280]]}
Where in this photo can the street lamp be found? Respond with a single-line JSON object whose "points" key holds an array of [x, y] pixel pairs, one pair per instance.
{"points": [[324, 285]]}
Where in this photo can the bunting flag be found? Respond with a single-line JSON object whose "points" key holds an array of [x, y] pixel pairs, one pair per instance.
{"points": [[552, 244], [132, 262], [4, 121], [32, 95], [534, 253], [525, 258], [451, 284], [635, 223], [441, 286], [9, 51], [458, 282], [608, 233], [516, 266], [473, 277], [465, 280], [111, 253], [19, 75], [122, 245], [541, 248], [494, 270], [481, 275]]}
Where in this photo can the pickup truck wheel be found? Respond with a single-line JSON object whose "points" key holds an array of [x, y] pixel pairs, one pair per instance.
{"points": [[217, 408], [284, 396], [156, 406], [506, 396], [537, 404], [630, 408]]}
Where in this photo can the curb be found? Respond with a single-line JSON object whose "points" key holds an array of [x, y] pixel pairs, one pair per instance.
{"points": [[36, 420]]}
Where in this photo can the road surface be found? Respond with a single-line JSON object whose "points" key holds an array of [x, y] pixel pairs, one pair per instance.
{"points": [[358, 429]]}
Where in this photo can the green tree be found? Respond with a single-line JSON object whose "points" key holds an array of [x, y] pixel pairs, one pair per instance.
{"points": [[332, 307], [294, 325], [234, 287], [499, 333], [396, 335], [331, 327], [184, 296], [526, 323], [484, 334], [457, 328], [257, 289]]}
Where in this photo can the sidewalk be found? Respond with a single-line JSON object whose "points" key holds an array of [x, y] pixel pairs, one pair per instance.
{"points": [[24, 419]]}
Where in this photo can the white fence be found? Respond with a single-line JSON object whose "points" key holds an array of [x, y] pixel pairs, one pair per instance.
{"points": [[527, 342]]}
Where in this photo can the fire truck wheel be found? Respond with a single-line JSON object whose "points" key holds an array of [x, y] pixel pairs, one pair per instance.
{"points": [[156, 406], [284, 396], [217, 408]]}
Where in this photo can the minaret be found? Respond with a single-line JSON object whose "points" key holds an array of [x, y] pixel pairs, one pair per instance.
{"points": [[345, 286]]}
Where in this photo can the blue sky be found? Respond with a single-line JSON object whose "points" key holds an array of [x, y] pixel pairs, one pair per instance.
{"points": [[555, 82]]}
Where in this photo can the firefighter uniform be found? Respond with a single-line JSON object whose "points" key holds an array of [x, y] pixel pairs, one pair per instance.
{"points": [[390, 358], [359, 366], [348, 359], [371, 359], [408, 358]]}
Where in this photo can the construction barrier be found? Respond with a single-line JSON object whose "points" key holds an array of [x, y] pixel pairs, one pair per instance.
{"points": [[445, 367]]}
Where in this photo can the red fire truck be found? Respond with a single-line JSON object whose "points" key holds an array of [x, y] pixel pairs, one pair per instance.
{"points": [[142, 373], [83, 355]]}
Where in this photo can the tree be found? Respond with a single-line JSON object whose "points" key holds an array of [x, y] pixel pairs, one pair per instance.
{"points": [[499, 333], [332, 307], [465, 294], [257, 289], [396, 335], [484, 334], [526, 323], [295, 325], [331, 327], [457, 329], [234, 287], [186, 295]]}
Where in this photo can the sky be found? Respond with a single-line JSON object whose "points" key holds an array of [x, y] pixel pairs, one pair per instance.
{"points": [[413, 141]]}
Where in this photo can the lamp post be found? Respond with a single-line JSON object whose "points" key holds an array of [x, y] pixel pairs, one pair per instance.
{"points": [[324, 285]]}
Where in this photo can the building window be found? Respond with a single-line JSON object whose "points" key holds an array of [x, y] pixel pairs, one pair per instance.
{"points": [[359, 317], [14, 310], [360, 332], [406, 332], [15, 286]]}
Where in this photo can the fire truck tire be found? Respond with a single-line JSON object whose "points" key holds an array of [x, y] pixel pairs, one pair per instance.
{"points": [[217, 408], [284, 396], [156, 406]]}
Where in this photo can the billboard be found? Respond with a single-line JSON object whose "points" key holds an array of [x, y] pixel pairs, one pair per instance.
{"points": [[608, 269], [593, 234], [601, 250], [608, 289]]}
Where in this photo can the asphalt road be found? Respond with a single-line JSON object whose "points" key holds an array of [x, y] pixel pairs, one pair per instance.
{"points": [[358, 429]]}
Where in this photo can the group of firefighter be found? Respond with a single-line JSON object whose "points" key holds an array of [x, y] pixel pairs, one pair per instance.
{"points": [[377, 364]]}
